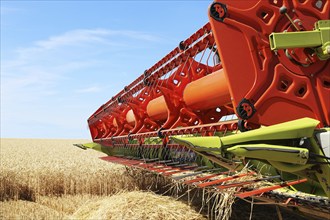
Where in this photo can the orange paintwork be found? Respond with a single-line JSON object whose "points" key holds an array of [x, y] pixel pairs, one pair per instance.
{"points": [[280, 88], [208, 92], [115, 124], [211, 91], [130, 117], [227, 67], [157, 109]]}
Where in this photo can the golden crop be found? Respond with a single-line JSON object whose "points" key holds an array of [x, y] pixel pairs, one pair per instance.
{"points": [[47, 179]]}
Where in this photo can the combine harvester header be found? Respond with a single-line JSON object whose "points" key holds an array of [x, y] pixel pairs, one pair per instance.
{"points": [[249, 88]]}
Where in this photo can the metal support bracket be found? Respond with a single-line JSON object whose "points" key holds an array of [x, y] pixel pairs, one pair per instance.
{"points": [[319, 38]]}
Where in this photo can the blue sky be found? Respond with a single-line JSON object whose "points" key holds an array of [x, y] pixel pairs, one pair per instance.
{"points": [[61, 60]]}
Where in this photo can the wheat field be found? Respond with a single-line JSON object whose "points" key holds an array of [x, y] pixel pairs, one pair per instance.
{"points": [[52, 179]]}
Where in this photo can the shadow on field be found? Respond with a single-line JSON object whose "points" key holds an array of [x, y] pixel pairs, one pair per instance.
{"points": [[12, 189], [213, 206]]}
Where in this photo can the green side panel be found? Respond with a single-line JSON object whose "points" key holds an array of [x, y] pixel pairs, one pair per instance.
{"points": [[209, 145], [319, 39], [301, 39], [289, 167], [97, 147], [288, 130], [273, 158], [286, 154], [93, 146], [323, 174], [199, 143]]}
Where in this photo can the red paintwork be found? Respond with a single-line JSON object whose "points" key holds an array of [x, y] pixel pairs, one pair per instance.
{"points": [[218, 181], [267, 189], [178, 91], [170, 170], [132, 110], [280, 89], [205, 178]]}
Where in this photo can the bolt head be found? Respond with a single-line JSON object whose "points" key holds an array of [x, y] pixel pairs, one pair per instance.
{"points": [[283, 10]]}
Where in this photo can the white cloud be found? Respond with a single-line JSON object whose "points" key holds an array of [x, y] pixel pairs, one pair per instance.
{"points": [[6, 11], [83, 37], [48, 61], [74, 37], [9, 10], [90, 89]]}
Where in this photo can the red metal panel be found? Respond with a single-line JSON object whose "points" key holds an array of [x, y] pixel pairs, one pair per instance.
{"points": [[267, 189], [204, 178], [218, 181], [294, 80]]}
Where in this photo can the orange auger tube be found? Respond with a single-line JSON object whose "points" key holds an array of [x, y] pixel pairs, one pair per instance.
{"points": [[130, 117], [211, 91], [157, 109], [155, 99]]}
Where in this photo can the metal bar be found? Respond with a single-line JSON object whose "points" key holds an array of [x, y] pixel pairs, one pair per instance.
{"points": [[205, 177], [192, 167], [120, 160], [147, 165], [197, 172], [267, 189], [301, 39], [174, 172], [187, 175], [217, 126], [165, 161], [166, 169], [173, 163], [230, 185], [181, 165], [111, 158], [155, 168], [215, 182], [158, 69], [201, 168], [129, 162], [151, 160]]}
